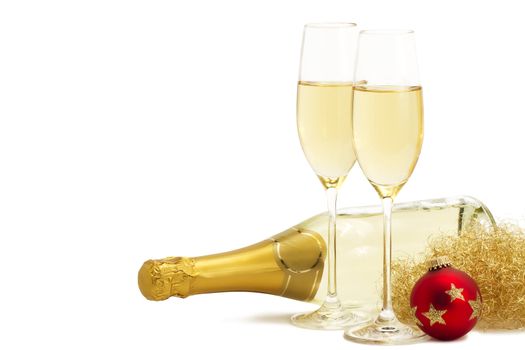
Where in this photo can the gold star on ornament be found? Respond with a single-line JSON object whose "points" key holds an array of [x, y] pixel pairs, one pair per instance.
{"points": [[435, 316], [476, 307], [418, 322], [455, 293]]}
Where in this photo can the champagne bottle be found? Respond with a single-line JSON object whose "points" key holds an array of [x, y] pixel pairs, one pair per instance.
{"points": [[291, 263]]}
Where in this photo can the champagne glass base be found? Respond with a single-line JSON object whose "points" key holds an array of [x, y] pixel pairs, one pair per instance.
{"points": [[330, 317], [386, 333]]}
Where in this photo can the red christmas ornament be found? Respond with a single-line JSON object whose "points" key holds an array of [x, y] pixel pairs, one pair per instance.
{"points": [[446, 302]]}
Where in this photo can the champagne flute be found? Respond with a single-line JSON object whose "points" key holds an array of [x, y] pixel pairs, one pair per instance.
{"points": [[324, 123], [388, 134]]}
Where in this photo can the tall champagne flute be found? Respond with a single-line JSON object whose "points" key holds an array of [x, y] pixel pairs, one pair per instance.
{"points": [[388, 134], [324, 123]]}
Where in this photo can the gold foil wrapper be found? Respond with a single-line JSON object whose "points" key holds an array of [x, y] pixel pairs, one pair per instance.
{"points": [[161, 279]]}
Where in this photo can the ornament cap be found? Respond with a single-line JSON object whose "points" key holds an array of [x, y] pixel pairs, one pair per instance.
{"points": [[439, 263]]}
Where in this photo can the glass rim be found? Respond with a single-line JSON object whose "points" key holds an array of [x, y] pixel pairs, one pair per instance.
{"points": [[330, 25], [386, 32]]}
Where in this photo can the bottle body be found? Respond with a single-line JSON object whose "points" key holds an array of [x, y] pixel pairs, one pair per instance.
{"points": [[291, 264], [360, 239]]}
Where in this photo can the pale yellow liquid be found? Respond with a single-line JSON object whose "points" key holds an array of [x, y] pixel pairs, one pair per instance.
{"points": [[324, 122], [388, 134]]}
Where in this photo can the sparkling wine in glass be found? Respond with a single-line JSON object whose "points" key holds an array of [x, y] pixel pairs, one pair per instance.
{"points": [[388, 134], [324, 123]]}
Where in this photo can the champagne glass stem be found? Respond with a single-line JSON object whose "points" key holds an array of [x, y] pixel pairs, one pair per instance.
{"points": [[387, 313], [331, 198]]}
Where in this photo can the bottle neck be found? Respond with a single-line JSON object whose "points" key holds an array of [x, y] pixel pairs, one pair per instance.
{"points": [[289, 264], [247, 269]]}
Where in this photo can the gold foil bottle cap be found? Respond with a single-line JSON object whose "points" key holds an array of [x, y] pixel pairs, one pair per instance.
{"points": [[439, 263], [161, 279]]}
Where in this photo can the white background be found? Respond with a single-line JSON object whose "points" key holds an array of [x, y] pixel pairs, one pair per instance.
{"points": [[140, 129]]}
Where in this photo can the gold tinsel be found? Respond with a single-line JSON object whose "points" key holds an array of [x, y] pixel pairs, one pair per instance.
{"points": [[494, 257]]}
